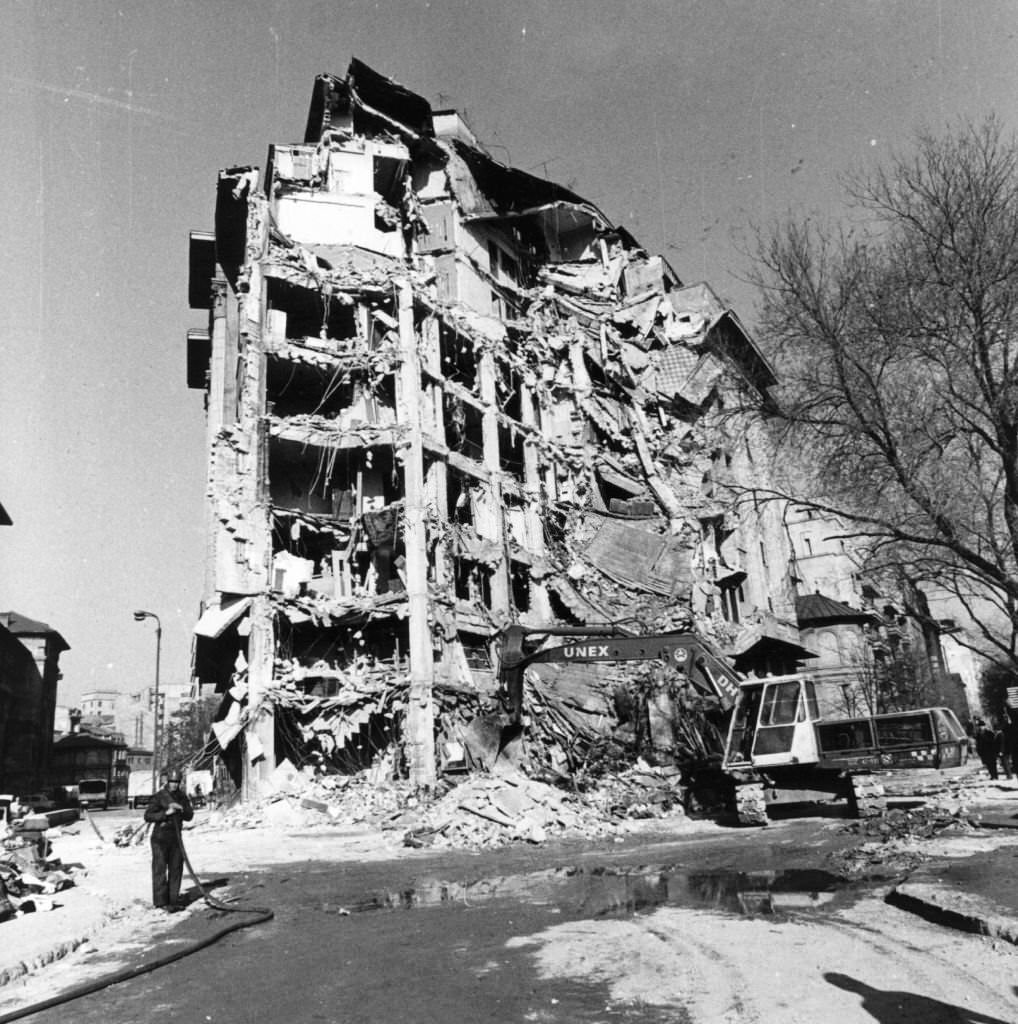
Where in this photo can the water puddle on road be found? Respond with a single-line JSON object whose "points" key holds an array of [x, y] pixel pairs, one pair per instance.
{"points": [[600, 892]]}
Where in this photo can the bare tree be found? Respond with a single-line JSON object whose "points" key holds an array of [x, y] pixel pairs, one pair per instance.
{"points": [[895, 341], [188, 730], [993, 687], [883, 679]]}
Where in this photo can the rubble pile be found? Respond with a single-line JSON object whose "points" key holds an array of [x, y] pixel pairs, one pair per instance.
{"points": [[893, 845], [475, 810], [571, 714], [304, 799], [487, 811], [639, 791], [29, 875], [915, 823]]}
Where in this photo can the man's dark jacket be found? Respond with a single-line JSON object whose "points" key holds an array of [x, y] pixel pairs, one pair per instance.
{"points": [[163, 829]]}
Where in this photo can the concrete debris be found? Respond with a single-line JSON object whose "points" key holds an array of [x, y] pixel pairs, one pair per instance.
{"points": [[130, 834], [29, 874], [306, 801], [893, 844], [917, 823], [476, 810], [486, 811], [641, 791]]}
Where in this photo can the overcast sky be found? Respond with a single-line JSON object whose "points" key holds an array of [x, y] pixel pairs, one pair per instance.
{"points": [[685, 122]]}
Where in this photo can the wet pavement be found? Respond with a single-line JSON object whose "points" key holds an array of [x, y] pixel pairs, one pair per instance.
{"points": [[452, 923], [582, 892], [432, 942]]}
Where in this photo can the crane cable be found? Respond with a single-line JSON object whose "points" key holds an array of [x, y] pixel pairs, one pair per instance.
{"points": [[262, 914]]}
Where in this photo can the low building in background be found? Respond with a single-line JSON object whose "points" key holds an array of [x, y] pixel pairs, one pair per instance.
{"points": [[131, 713], [878, 647], [82, 755]]}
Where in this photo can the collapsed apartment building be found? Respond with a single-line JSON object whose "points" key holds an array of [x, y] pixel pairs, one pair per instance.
{"points": [[444, 395]]}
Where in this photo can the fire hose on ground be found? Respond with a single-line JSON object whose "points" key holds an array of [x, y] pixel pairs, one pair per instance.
{"points": [[261, 914]]}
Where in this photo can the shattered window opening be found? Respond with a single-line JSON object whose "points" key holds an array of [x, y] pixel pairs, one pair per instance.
{"points": [[477, 650], [459, 362], [510, 450], [310, 314], [730, 598], [464, 427], [520, 576], [473, 582], [461, 508]]}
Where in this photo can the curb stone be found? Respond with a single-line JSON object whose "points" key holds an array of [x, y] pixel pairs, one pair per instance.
{"points": [[58, 951], [959, 910]]}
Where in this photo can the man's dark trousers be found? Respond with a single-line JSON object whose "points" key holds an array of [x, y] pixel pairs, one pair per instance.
{"points": [[167, 868]]}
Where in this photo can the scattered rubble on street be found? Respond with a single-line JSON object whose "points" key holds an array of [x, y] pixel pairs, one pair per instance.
{"points": [[893, 843], [485, 809], [30, 875], [470, 810]]}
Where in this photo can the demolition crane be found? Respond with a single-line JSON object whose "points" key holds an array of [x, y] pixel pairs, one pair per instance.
{"points": [[779, 747]]}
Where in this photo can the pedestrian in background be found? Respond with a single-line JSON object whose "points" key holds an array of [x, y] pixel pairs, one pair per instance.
{"points": [[988, 740], [166, 811], [1010, 731]]}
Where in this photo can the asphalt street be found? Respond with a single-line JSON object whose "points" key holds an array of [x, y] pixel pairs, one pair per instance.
{"points": [[736, 925]]}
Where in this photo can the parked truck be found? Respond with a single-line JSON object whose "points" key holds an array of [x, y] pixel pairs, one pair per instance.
{"points": [[93, 794], [778, 747], [139, 789]]}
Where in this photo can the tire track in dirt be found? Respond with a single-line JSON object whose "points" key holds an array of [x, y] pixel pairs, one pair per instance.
{"points": [[851, 966]]}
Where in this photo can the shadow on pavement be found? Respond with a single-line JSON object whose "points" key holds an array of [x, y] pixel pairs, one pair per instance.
{"points": [[193, 894], [895, 1007]]}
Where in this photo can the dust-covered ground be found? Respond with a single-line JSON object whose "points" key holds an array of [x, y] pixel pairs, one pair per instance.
{"points": [[663, 921], [863, 963]]}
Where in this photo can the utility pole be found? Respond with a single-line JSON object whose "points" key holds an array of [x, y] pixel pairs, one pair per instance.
{"points": [[157, 710]]}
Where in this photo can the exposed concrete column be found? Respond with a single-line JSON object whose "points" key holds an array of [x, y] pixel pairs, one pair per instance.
{"points": [[437, 478], [539, 604], [420, 720], [260, 736], [214, 418], [217, 362], [492, 462]]}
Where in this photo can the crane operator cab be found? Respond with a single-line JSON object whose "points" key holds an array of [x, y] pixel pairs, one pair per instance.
{"points": [[773, 723]]}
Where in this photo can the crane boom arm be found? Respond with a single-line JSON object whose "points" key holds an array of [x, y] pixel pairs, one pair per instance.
{"points": [[683, 651]]}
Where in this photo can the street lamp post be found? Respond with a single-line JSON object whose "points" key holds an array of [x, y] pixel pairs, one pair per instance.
{"points": [[140, 616]]}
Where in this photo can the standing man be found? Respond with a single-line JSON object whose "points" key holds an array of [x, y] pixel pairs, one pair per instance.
{"points": [[166, 811], [1010, 730], [988, 746]]}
